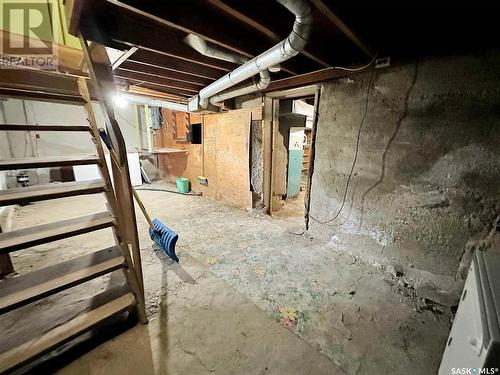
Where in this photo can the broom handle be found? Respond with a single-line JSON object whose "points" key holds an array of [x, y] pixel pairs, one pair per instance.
{"points": [[143, 209]]}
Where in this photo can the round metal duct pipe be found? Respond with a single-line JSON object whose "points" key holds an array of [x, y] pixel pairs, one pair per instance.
{"points": [[287, 48]]}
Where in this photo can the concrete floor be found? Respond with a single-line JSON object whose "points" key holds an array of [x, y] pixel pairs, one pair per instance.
{"points": [[248, 297]]}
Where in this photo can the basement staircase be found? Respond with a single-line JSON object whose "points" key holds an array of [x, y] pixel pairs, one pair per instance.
{"points": [[119, 217]]}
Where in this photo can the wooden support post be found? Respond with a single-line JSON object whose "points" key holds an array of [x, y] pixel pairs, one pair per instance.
{"points": [[147, 113], [312, 153], [267, 140], [139, 127]]}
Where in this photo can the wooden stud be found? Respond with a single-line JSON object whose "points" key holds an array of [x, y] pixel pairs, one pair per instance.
{"points": [[311, 157]]}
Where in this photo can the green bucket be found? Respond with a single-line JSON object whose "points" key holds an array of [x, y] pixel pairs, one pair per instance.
{"points": [[183, 185]]}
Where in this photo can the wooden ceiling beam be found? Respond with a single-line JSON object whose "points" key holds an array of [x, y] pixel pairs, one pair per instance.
{"points": [[126, 29], [233, 12], [271, 35], [182, 17], [155, 80], [124, 57], [162, 21], [311, 78], [335, 20], [155, 94], [174, 64], [162, 89], [155, 71]]}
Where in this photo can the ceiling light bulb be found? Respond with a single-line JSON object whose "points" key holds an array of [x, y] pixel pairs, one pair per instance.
{"points": [[120, 101]]}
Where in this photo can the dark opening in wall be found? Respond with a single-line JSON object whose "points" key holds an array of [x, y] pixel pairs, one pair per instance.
{"points": [[194, 135]]}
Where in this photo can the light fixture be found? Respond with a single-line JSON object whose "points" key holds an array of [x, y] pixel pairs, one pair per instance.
{"points": [[120, 101]]}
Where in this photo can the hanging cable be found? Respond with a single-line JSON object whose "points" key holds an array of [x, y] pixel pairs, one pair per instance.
{"points": [[124, 119], [356, 152], [356, 69]]}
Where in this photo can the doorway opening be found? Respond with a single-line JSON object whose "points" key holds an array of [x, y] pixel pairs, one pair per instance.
{"points": [[293, 129]]}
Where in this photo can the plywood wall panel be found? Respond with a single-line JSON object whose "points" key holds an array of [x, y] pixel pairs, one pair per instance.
{"points": [[223, 156], [227, 157]]}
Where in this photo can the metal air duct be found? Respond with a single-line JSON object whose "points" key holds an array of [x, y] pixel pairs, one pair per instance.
{"points": [[284, 50], [264, 81], [211, 50], [139, 99]]}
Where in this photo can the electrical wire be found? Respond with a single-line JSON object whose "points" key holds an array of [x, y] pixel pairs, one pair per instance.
{"points": [[355, 159], [356, 69], [169, 191], [124, 119], [163, 120]]}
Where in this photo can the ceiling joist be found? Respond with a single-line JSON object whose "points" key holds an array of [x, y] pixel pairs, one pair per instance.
{"points": [[228, 33], [260, 27], [166, 82], [155, 71], [334, 19]]}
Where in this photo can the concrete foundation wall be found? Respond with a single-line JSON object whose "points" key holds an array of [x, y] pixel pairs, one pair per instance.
{"points": [[424, 190]]}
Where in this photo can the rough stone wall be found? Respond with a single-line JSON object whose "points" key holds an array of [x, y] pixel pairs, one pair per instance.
{"points": [[256, 161], [425, 187]]}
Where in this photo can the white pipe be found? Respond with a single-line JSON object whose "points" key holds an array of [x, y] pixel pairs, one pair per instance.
{"points": [[264, 81], [287, 48], [210, 50], [139, 99]]}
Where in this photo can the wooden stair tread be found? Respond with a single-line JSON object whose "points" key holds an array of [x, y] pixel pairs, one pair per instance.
{"points": [[40, 234], [45, 162], [33, 286], [67, 128], [39, 345], [51, 191]]}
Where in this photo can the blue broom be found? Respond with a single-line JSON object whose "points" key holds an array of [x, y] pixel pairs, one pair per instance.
{"points": [[162, 235]]}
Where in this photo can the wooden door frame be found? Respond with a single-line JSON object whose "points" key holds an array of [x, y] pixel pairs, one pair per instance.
{"points": [[270, 124]]}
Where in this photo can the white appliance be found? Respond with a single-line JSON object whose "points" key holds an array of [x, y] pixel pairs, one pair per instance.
{"points": [[473, 346], [91, 172]]}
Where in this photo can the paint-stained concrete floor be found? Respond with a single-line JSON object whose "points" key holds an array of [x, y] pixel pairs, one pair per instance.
{"points": [[248, 297]]}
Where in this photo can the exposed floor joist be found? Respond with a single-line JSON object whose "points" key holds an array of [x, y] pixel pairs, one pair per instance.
{"points": [[154, 71], [156, 19], [163, 81], [174, 64], [326, 11], [271, 35]]}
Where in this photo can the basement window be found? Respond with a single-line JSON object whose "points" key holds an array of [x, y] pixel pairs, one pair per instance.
{"points": [[194, 135]]}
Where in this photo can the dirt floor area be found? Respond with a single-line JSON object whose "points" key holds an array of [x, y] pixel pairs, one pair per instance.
{"points": [[248, 297]]}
